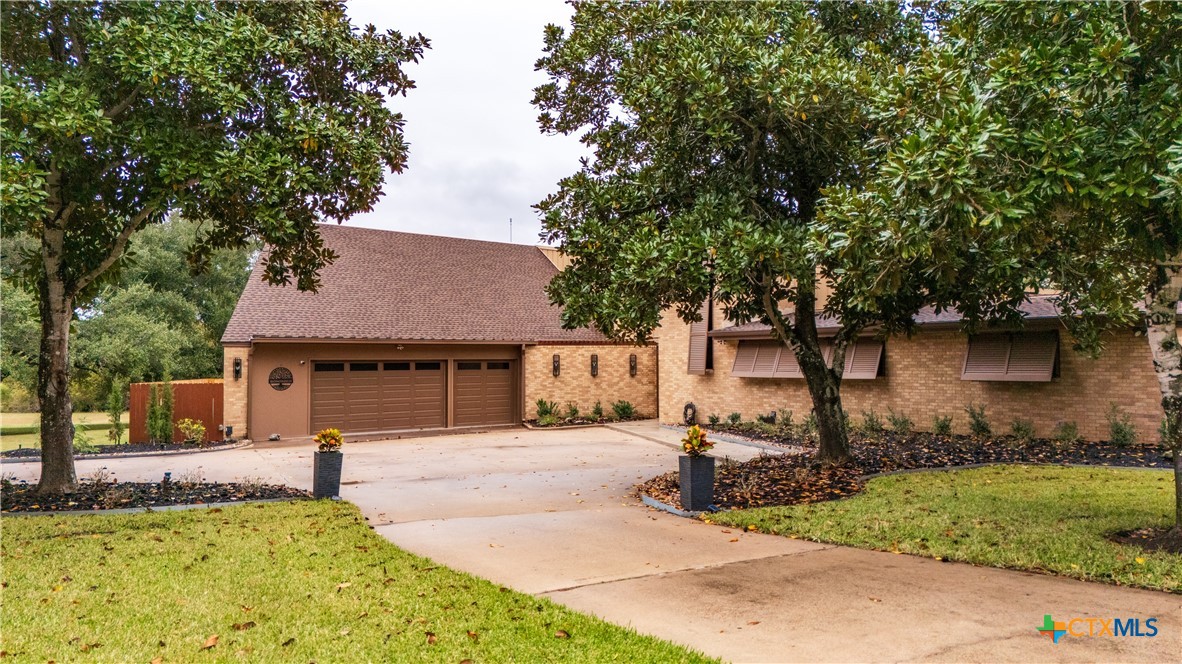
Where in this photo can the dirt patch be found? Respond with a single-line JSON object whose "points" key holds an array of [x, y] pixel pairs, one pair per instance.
{"points": [[1152, 539], [21, 497], [126, 448]]}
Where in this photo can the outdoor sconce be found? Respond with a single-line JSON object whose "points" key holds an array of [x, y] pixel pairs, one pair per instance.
{"points": [[632, 364], [594, 365], [238, 368], [556, 365]]}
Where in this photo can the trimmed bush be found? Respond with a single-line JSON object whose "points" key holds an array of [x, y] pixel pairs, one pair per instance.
{"points": [[900, 423], [1066, 433], [1023, 430], [545, 408], [942, 425], [624, 409], [871, 422], [978, 421], [1121, 430], [713, 419], [734, 418]]}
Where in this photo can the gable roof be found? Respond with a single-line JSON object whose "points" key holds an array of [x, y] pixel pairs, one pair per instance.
{"points": [[394, 286]]}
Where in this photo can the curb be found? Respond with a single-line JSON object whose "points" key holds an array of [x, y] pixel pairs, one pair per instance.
{"points": [[162, 508], [739, 441], [131, 455]]}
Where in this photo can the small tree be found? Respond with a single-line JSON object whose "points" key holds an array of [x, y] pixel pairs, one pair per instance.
{"points": [[164, 422], [116, 404], [153, 418]]}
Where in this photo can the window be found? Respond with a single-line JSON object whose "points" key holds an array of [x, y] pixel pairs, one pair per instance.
{"points": [[771, 359], [468, 366], [701, 353], [328, 366], [1012, 356], [363, 366], [428, 366], [498, 366], [397, 366]]}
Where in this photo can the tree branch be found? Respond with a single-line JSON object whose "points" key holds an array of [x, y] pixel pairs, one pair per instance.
{"points": [[123, 105], [117, 248]]}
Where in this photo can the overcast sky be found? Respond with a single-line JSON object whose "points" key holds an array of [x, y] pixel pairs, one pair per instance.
{"points": [[476, 155]]}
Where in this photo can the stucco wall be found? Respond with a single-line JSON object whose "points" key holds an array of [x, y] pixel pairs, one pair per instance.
{"points": [[575, 383], [922, 380]]}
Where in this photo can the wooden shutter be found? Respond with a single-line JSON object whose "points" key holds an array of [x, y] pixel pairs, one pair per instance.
{"points": [[862, 359], [756, 359], [699, 342], [787, 366], [1018, 356], [744, 359]]}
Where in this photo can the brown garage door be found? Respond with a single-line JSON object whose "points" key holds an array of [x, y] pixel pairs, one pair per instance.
{"points": [[374, 395], [484, 392]]}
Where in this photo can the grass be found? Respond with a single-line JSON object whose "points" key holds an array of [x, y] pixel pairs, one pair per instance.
{"points": [[22, 429], [1043, 519], [275, 582]]}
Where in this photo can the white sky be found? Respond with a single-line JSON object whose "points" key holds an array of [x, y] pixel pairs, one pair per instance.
{"points": [[476, 155]]}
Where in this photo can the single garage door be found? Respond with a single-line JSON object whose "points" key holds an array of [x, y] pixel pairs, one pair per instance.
{"points": [[376, 395], [484, 393]]}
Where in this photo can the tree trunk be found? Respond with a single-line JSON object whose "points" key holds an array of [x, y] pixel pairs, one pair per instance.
{"points": [[53, 389], [1162, 332], [833, 445]]}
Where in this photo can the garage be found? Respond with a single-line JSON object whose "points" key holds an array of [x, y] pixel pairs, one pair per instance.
{"points": [[382, 395]]}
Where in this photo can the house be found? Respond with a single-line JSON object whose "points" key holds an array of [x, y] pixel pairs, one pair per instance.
{"points": [[417, 332], [1029, 374]]}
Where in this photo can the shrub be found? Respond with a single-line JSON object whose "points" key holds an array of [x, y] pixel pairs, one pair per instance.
{"points": [[597, 411], [1023, 430], [548, 420], [1066, 433], [900, 423], [329, 440], [160, 411], [572, 410], [194, 431], [1121, 430], [695, 444], [784, 420], [978, 422], [545, 408], [871, 422], [770, 418], [714, 419], [115, 406], [734, 418], [624, 410], [82, 442], [809, 424], [942, 425]]}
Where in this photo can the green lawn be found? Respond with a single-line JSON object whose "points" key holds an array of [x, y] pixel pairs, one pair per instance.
{"points": [[1038, 518], [276, 582], [20, 429]]}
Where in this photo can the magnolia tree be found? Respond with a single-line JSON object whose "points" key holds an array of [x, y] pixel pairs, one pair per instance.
{"points": [[262, 118], [719, 132], [1059, 128]]}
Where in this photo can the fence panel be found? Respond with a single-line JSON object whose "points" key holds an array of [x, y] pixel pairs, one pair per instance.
{"points": [[199, 399]]}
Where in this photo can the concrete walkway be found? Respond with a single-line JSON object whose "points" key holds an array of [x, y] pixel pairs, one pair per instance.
{"points": [[551, 513]]}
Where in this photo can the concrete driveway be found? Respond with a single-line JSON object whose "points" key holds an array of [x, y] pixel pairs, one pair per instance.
{"points": [[550, 513]]}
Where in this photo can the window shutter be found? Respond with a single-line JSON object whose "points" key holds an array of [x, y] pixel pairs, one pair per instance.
{"points": [[745, 359], [862, 359], [787, 366], [699, 342], [1018, 357]]}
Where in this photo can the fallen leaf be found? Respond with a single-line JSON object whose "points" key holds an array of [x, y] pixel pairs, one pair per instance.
{"points": [[752, 622], [210, 642], [473, 635], [431, 639], [1140, 560], [87, 647], [240, 627], [158, 660], [345, 632], [289, 642], [874, 599], [346, 584], [562, 634], [736, 539]]}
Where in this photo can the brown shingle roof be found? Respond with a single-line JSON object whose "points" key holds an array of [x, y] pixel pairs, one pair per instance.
{"points": [[394, 286]]}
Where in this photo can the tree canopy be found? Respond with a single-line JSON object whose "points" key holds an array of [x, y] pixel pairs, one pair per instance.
{"points": [[259, 119]]}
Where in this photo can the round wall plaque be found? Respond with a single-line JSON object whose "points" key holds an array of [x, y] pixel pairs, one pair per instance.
{"points": [[280, 378]]}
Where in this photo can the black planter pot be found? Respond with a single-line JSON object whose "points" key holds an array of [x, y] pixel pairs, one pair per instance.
{"points": [[326, 474], [697, 482]]}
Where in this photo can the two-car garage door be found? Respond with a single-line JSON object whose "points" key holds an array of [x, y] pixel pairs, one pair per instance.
{"points": [[375, 395]]}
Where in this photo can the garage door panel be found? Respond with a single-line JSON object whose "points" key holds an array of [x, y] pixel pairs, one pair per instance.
{"points": [[484, 393]]}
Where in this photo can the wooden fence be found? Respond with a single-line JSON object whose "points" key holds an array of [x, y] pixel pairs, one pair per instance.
{"points": [[199, 399]]}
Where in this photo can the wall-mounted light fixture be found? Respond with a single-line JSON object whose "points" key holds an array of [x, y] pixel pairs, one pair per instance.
{"points": [[556, 365], [594, 365], [632, 364], [238, 368]]}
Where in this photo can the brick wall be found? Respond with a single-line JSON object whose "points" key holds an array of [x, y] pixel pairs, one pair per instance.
{"points": [[575, 384], [234, 392], [922, 380]]}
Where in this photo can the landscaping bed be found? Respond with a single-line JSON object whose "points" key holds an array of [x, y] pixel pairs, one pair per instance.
{"points": [[277, 582], [109, 493], [792, 479], [124, 448], [1047, 519]]}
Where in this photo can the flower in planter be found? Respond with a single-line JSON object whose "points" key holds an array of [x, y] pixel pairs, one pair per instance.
{"points": [[695, 444], [329, 440]]}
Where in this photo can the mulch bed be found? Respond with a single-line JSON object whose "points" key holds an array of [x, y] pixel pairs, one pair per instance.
{"points": [[125, 448], [22, 497], [582, 421], [796, 479], [1152, 539]]}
